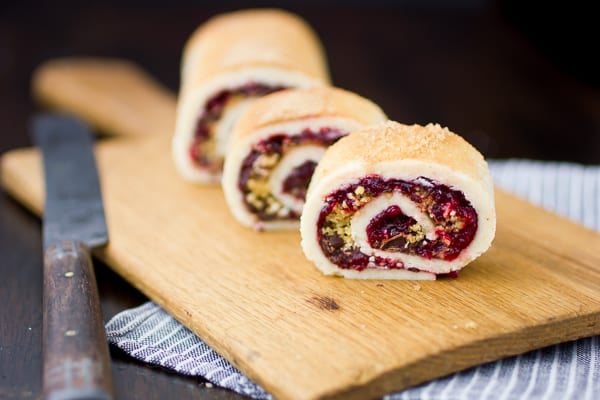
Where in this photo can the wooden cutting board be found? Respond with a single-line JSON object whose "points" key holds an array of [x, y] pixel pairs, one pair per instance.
{"points": [[255, 299]]}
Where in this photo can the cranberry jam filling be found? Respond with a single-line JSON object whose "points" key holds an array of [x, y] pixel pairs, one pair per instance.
{"points": [[258, 165], [297, 181], [452, 215], [212, 112], [390, 229]]}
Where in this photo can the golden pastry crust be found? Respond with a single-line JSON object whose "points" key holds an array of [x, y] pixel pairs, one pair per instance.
{"points": [[393, 141], [300, 104], [264, 38]]}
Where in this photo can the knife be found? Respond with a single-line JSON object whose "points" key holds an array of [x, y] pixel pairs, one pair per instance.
{"points": [[76, 358]]}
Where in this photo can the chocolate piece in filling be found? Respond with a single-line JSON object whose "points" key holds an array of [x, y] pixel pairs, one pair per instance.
{"points": [[453, 216], [203, 147], [261, 161]]}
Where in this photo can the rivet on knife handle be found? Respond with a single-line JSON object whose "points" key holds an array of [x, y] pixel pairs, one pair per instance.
{"points": [[76, 357]]}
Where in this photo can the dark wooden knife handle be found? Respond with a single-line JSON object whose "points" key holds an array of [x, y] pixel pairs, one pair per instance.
{"points": [[76, 357]]}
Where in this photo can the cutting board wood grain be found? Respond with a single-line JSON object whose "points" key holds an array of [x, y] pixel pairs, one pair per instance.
{"points": [[256, 300]]}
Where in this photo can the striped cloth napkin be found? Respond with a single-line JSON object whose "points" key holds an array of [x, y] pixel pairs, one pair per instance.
{"points": [[566, 371]]}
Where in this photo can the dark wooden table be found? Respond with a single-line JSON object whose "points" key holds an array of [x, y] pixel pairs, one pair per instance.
{"points": [[511, 82]]}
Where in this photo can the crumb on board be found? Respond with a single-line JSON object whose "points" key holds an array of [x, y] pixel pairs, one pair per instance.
{"points": [[471, 325]]}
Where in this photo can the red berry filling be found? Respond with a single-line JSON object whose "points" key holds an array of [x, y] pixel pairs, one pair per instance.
{"points": [[200, 149], [258, 165], [453, 216], [390, 229], [297, 181]]}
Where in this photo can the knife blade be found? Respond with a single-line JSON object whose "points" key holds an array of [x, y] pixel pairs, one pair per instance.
{"points": [[76, 358]]}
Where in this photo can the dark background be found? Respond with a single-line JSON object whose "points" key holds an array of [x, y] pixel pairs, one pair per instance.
{"points": [[516, 78]]}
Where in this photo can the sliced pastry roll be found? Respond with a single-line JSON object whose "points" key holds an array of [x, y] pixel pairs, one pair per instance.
{"points": [[398, 202], [276, 145], [228, 62]]}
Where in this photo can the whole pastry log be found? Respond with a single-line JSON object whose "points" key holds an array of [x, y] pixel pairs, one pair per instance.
{"points": [[398, 202], [276, 145], [228, 62]]}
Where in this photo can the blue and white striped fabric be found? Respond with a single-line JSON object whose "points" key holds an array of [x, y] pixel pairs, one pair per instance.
{"points": [[566, 371]]}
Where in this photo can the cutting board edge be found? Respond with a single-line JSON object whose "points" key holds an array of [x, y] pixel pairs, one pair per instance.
{"points": [[580, 326], [380, 385]]}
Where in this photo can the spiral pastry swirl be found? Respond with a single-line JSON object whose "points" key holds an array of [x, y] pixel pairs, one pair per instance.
{"points": [[398, 202]]}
